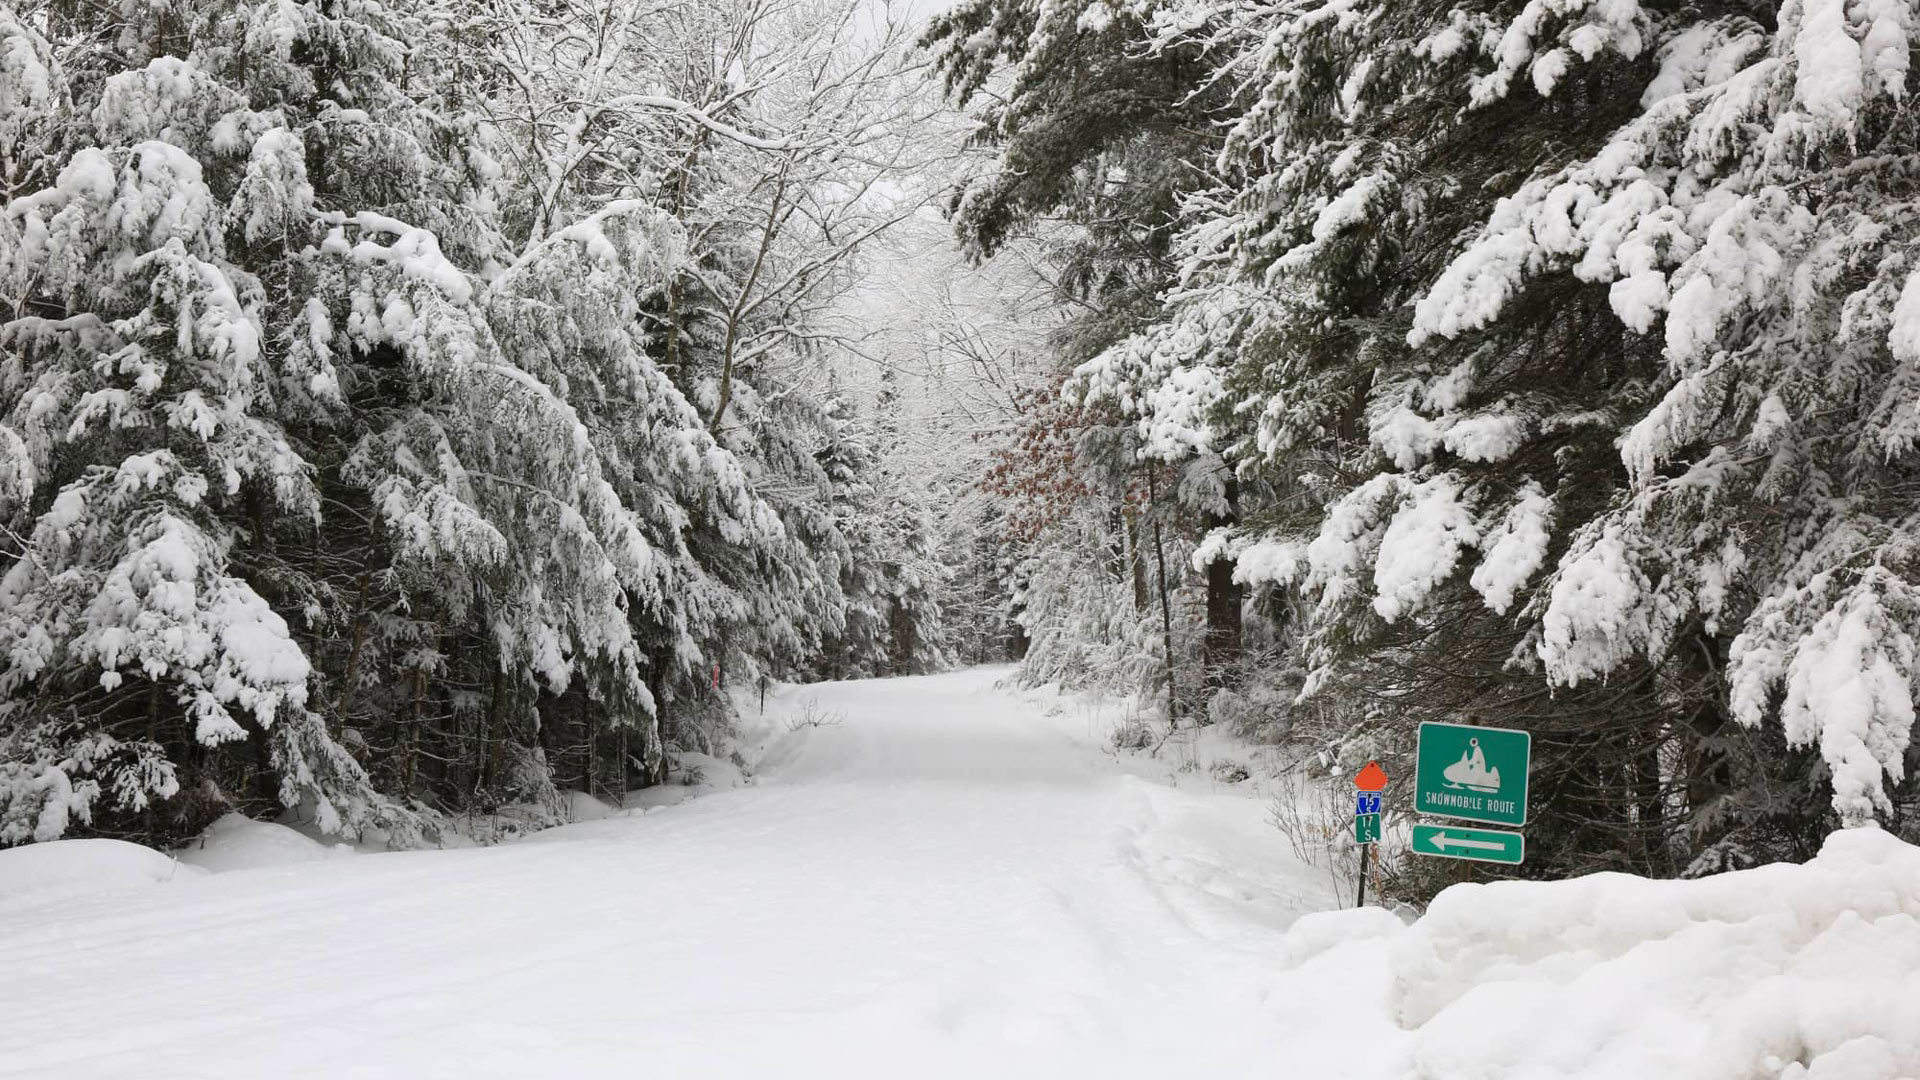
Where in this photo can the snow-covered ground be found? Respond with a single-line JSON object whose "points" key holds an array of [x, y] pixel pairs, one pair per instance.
{"points": [[952, 881]]}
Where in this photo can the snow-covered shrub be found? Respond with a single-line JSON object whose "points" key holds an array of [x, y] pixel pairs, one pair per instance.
{"points": [[1087, 625], [1228, 771], [1229, 709], [1133, 735], [1263, 705], [1315, 816]]}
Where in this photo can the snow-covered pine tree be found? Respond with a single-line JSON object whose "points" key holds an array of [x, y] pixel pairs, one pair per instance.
{"points": [[859, 645], [757, 165], [478, 577], [146, 379], [284, 482], [442, 416], [1754, 224], [1107, 116], [918, 580], [777, 232], [1485, 545], [1371, 147], [887, 570]]}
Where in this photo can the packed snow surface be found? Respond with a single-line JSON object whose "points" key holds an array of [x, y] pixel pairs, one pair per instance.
{"points": [[948, 882], [942, 879]]}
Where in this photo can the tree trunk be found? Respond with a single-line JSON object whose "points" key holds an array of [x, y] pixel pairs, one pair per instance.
{"points": [[1220, 653], [1220, 648], [903, 640], [496, 718], [1136, 558], [1650, 808], [419, 720], [1166, 606], [653, 766]]}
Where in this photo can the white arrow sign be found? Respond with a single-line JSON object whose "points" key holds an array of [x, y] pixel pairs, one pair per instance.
{"points": [[1443, 842], [1479, 845]]}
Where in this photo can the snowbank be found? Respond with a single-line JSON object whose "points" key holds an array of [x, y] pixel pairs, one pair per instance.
{"points": [[584, 807], [84, 867], [237, 842], [694, 774], [1808, 972]]}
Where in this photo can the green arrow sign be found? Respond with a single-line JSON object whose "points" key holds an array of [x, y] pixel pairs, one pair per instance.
{"points": [[1458, 842], [1366, 828], [1476, 773]]}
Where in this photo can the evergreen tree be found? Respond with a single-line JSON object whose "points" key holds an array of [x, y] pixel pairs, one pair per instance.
{"points": [[1555, 351], [367, 450], [1109, 116], [1751, 224]]}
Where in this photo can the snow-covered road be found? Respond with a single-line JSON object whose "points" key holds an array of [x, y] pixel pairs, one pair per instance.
{"points": [[950, 883]]}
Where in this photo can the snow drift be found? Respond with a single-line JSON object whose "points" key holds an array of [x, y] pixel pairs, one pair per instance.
{"points": [[1798, 972], [237, 842], [84, 867]]}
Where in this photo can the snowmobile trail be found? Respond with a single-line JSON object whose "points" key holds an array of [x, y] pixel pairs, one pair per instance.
{"points": [[948, 882]]}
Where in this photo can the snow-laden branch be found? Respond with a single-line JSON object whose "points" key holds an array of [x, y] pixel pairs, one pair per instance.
{"points": [[694, 113]]}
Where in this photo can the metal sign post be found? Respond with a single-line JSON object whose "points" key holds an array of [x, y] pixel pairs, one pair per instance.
{"points": [[1366, 819]]}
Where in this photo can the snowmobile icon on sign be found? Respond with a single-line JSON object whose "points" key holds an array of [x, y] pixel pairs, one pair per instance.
{"points": [[1471, 771]]}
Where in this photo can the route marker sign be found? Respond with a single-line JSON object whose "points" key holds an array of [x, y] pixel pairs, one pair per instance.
{"points": [[1366, 829], [1368, 783], [1479, 845], [1371, 778], [1475, 773]]}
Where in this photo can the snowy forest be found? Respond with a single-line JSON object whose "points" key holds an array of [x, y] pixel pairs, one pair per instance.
{"points": [[1552, 363], [423, 407], [416, 408]]}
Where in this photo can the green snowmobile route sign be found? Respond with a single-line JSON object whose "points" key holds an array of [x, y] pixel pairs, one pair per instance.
{"points": [[1475, 773], [1480, 845]]}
